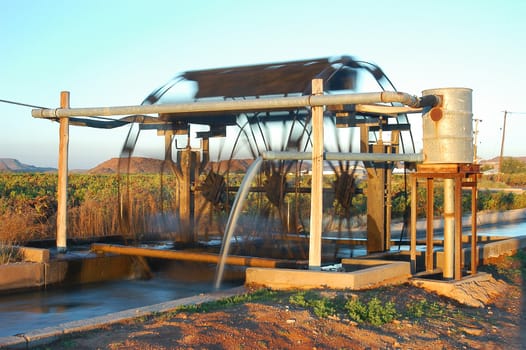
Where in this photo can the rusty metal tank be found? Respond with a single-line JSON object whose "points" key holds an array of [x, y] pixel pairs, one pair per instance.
{"points": [[448, 128]]}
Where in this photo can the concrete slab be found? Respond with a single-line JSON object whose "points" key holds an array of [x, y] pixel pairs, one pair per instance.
{"points": [[474, 290], [372, 274], [37, 255]]}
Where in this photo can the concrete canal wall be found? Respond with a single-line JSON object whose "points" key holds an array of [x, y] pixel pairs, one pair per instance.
{"points": [[38, 270]]}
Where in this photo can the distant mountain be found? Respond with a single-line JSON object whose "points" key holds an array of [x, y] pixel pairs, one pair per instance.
{"points": [[10, 165], [235, 165], [149, 165], [136, 165]]}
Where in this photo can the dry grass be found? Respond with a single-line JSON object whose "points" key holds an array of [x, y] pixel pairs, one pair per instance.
{"points": [[9, 253]]}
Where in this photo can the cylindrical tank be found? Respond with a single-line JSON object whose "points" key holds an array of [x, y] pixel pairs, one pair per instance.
{"points": [[448, 128]]}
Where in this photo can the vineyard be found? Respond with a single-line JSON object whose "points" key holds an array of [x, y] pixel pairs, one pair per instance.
{"points": [[28, 204]]}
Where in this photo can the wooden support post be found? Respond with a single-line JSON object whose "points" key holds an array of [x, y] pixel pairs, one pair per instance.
{"points": [[449, 229], [189, 161], [168, 137], [429, 222], [388, 202], [377, 239], [412, 249], [474, 250], [62, 187], [316, 211], [458, 228]]}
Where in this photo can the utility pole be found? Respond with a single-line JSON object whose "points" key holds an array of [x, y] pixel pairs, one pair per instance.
{"points": [[502, 145], [475, 141]]}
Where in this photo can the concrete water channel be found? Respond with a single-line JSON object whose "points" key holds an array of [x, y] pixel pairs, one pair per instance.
{"points": [[24, 312]]}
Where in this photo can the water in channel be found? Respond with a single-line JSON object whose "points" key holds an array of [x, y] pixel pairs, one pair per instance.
{"points": [[23, 312]]}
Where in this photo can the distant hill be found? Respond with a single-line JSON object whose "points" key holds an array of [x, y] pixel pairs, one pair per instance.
{"points": [[496, 159], [10, 165], [148, 165], [136, 165], [142, 165], [235, 165]]}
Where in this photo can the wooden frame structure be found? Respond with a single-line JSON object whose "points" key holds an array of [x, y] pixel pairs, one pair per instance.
{"points": [[464, 176]]}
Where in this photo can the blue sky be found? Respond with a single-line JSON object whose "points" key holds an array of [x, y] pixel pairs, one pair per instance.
{"points": [[109, 53]]}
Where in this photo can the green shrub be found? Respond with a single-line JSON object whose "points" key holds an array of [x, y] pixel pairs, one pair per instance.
{"points": [[422, 308], [374, 312], [357, 310], [259, 295], [321, 306]]}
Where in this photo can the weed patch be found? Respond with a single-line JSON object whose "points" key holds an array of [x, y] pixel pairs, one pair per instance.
{"points": [[261, 295], [373, 312]]}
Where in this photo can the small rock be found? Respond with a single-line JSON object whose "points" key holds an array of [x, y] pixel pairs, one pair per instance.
{"points": [[472, 331], [291, 321]]}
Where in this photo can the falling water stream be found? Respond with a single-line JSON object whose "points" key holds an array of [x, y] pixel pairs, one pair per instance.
{"points": [[233, 217]]}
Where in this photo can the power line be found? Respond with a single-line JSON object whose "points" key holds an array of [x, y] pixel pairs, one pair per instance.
{"points": [[21, 104], [509, 112]]}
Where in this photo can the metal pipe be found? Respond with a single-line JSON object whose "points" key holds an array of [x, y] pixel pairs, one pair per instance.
{"points": [[370, 157], [235, 105], [386, 110], [189, 256]]}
